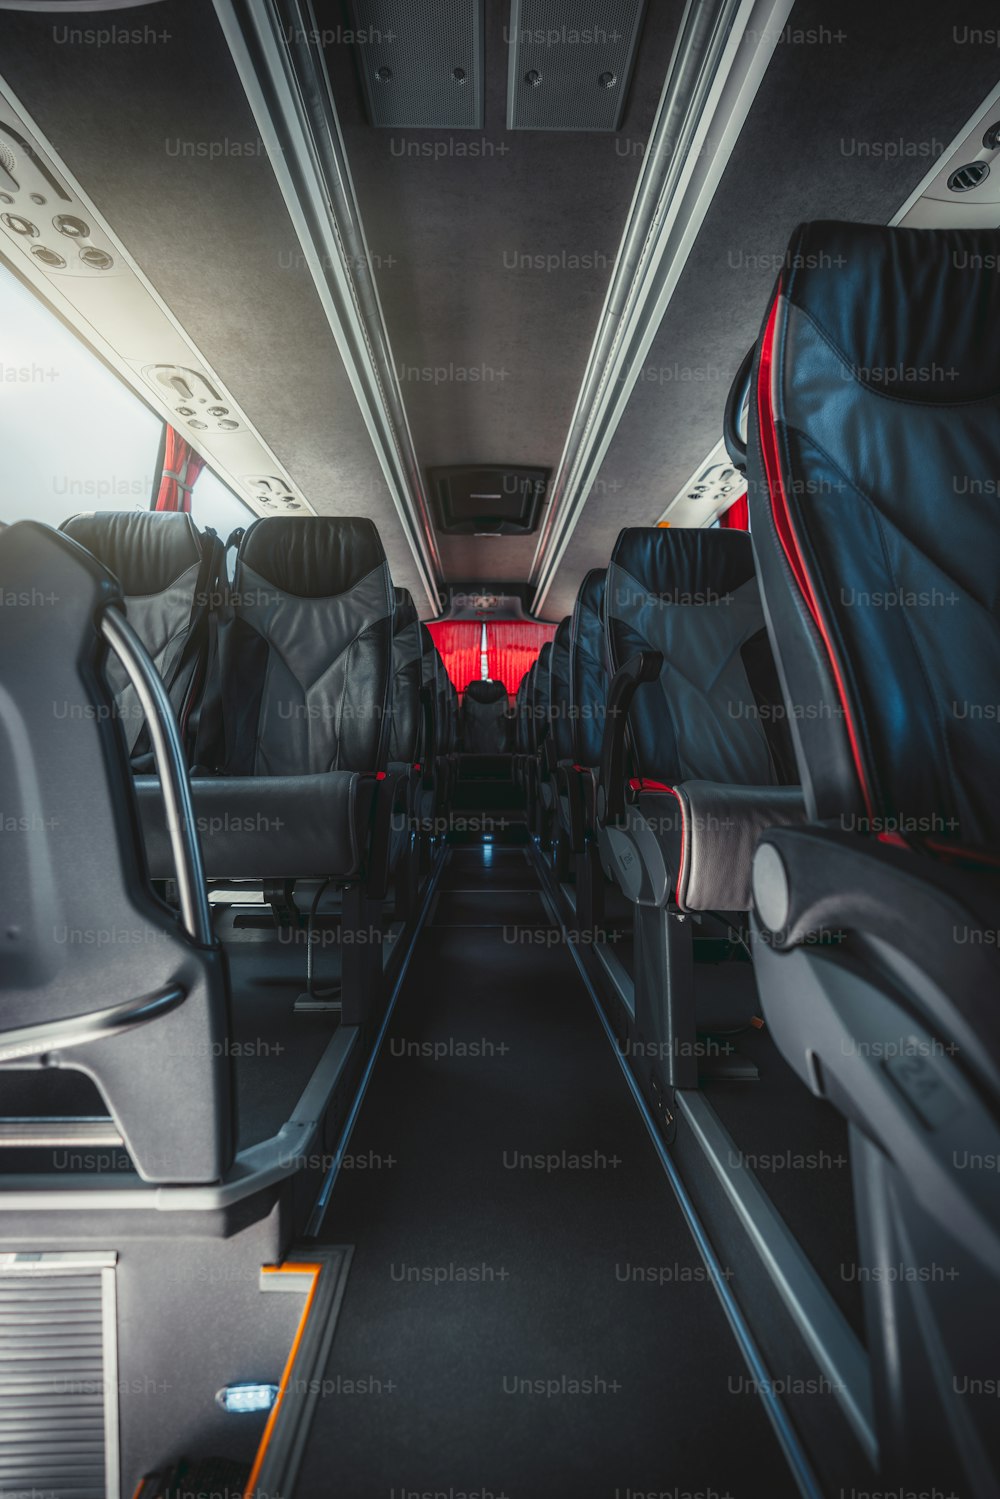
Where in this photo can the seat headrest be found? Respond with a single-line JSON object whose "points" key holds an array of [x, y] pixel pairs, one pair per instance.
{"points": [[912, 313], [591, 595], [680, 565], [147, 550], [406, 610], [560, 641], [485, 692], [312, 556]]}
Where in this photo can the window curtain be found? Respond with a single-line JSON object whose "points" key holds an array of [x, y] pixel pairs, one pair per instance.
{"points": [[459, 643], [180, 468], [511, 647], [737, 517]]}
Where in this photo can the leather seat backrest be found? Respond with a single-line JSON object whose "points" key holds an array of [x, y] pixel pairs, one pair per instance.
{"points": [[486, 720], [407, 676], [559, 692], [158, 559], [429, 666], [521, 743], [307, 661], [540, 696], [873, 460], [526, 722], [692, 595], [588, 677]]}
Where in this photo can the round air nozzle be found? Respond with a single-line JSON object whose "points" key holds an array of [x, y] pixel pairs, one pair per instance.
{"points": [[21, 225], [971, 175], [48, 257], [97, 260], [71, 226], [991, 140]]}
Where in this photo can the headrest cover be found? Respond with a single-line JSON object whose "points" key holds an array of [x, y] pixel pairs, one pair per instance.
{"points": [[147, 550], [312, 557]]}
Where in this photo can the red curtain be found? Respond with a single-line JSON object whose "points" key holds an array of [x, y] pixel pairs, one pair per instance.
{"points": [[181, 467], [737, 517], [511, 647], [459, 644]]}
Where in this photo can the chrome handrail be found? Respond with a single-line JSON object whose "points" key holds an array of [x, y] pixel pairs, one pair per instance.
{"points": [[95, 1025], [168, 753]]}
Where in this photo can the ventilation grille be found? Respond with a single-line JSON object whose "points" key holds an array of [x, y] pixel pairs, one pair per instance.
{"points": [[58, 1383], [570, 63], [421, 62], [969, 176]]}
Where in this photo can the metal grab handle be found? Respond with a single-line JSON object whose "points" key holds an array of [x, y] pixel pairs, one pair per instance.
{"points": [[94, 1025], [165, 738]]}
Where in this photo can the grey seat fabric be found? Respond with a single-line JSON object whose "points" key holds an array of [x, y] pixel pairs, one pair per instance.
{"points": [[167, 572], [407, 679], [486, 719]]}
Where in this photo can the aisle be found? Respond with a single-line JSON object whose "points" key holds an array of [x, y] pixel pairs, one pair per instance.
{"points": [[526, 1313]]}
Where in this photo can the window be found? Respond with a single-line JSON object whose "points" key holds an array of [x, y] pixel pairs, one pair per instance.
{"points": [[214, 504], [74, 437]]}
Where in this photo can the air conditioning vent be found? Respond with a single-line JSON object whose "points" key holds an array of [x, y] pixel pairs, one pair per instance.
{"points": [[969, 176], [490, 500]]}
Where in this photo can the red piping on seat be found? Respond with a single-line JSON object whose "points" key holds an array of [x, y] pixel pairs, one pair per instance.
{"points": [[637, 785], [786, 533]]}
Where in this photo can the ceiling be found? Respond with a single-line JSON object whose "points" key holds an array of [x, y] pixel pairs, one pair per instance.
{"points": [[458, 242]]}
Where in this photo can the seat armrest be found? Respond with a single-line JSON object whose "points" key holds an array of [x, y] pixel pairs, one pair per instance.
{"points": [[264, 827], [644, 666], [718, 828], [933, 925]]}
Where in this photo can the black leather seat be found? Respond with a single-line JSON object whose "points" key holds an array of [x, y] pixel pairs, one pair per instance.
{"points": [[539, 772], [588, 687], [874, 449], [694, 766], [486, 719], [306, 668], [169, 576], [407, 680], [560, 743], [696, 703]]}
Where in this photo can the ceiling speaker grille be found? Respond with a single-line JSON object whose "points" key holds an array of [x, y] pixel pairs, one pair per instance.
{"points": [[421, 62], [570, 63]]}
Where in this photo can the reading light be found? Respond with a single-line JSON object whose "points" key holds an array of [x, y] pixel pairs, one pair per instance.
{"points": [[247, 1399]]}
